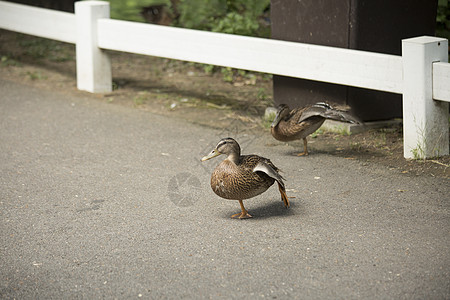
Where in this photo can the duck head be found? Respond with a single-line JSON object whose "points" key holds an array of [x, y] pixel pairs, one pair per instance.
{"points": [[282, 111], [226, 146]]}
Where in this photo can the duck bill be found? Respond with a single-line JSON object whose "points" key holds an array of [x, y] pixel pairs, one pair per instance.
{"points": [[276, 121], [212, 154]]}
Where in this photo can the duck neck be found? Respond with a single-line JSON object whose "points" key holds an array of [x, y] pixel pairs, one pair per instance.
{"points": [[280, 131], [234, 157]]}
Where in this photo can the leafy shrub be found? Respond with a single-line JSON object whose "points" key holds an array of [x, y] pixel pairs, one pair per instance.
{"points": [[130, 10], [443, 19], [235, 23], [241, 17]]}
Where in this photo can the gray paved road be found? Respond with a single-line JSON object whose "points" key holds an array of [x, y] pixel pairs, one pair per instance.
{"points": [[103, 201]]}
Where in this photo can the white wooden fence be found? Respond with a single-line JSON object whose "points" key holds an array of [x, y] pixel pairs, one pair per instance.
{"points": [[421, 74]]}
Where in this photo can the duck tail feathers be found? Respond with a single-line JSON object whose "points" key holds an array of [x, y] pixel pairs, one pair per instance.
{"points": [[327, 111], [338, 115], [284, 197]]}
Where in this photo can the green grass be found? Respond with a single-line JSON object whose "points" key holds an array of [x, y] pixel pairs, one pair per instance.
{"points": [[36, 75], [140, 98], [7, 61], [317, 132]]}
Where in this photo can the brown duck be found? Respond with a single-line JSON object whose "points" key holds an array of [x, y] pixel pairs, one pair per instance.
{"points": [[241, 177], [298, 123]]}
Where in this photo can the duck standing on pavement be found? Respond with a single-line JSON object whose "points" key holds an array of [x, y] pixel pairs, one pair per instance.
{"points": [[241, 177], [298, 123]]}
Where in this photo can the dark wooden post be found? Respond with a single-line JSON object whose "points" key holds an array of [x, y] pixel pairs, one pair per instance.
{"points": [[63, 5], [370, 25]]}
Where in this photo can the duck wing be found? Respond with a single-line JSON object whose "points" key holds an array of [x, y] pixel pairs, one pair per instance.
{"points": [[296, 114], [270, 170], [324, 110]]}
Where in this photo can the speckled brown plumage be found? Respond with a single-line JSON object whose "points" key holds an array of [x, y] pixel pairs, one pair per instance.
{"points": [[298, 123], [243, 177], [238, 181], [290, 128]]}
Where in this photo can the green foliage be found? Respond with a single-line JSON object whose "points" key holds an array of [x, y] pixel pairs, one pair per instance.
{"points": [[262, 96], [235, 23], [208, 69], [227, 74], [317, 132], [227, 16], [36, 75], [443, 19], [200, 14], [130, 10], [7, 61], [418, 153], [242, 17], [38, 48]]}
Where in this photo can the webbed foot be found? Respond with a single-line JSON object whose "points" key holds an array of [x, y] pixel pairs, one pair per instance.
{"points": [[242, 215], [305, 148]]}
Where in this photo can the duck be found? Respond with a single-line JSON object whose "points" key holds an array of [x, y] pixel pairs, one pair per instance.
{"points": [[298, 123], [240, 177]]}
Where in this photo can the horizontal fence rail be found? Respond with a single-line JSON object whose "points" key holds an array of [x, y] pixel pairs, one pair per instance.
{"points": [[441, 81], [328, 64], [421, 74], [46, 23]]}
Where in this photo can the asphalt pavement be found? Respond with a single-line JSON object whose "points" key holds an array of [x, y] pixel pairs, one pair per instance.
{"points": [[99, 200]]}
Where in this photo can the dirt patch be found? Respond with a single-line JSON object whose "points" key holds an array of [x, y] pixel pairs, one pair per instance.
{"points": [[194, 93]]}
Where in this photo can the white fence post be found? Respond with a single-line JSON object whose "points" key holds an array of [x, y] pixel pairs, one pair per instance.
{"points": [[425, 121], [93, 64]]}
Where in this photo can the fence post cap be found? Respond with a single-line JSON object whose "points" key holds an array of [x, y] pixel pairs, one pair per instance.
{"points": [[91, 3], [424, 40]]}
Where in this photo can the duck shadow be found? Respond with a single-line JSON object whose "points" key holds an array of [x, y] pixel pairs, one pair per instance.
{"points": [[270, 210]]}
